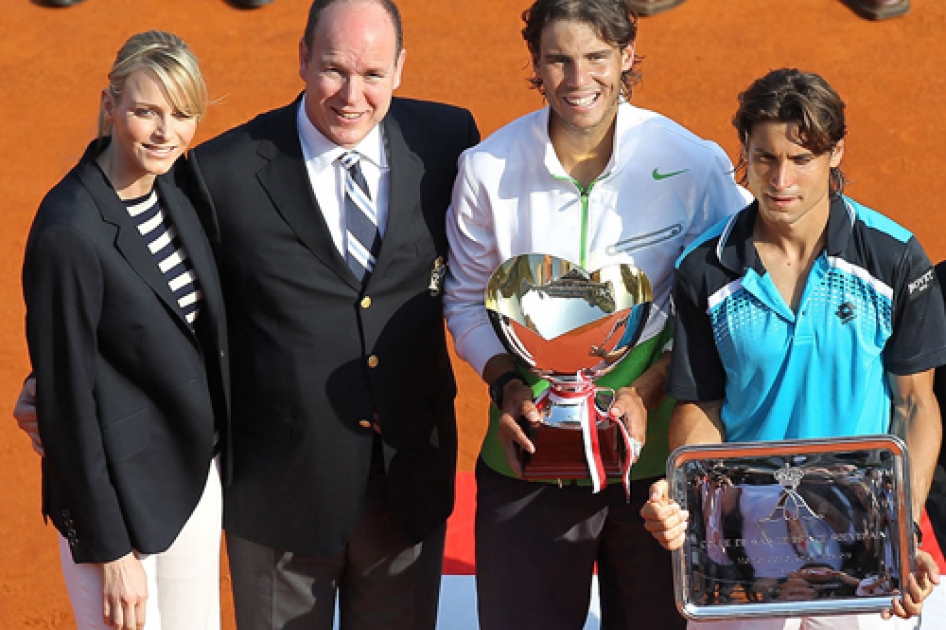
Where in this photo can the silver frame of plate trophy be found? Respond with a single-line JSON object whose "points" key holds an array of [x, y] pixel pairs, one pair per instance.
{"points": [[874, 470]]}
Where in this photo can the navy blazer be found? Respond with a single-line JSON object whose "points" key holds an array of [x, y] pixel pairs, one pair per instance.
{"points": [[315, 357], [128, 396]]}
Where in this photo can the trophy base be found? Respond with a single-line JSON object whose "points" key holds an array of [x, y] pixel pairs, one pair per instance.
{"points": [[560, 454]]}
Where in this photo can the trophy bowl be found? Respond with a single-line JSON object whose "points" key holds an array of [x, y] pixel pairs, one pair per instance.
{"points": [[570, 326]]}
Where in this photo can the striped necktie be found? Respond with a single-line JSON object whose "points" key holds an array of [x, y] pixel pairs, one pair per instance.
{"points": [[361, 219]]}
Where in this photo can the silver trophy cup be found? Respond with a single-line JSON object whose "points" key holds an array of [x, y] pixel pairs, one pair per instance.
{"points": [[570, 326]]}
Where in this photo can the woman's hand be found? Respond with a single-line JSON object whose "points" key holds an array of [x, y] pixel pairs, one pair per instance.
{"points": [[124, 593]]}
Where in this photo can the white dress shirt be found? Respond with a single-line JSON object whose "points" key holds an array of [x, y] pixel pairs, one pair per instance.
{"points": [[327, 175]]}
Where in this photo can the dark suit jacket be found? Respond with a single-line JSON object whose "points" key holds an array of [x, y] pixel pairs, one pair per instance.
{"points": [[302, 331], [128, 397]]}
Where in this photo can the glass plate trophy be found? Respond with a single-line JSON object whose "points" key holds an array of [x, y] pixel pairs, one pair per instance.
{"points": [[795, 528], [570, 326]]}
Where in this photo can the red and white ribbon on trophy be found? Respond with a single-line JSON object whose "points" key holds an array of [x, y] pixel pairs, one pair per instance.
{"points": [[584, 394]]}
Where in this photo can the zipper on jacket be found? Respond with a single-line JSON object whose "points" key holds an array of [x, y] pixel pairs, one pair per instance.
{"points": [[583, 252], [583, 194]]}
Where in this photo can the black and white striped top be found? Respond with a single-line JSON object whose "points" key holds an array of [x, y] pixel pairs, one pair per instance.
{"points": [[171, 257]]}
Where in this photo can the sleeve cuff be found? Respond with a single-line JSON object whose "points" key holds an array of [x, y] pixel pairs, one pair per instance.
{"points": [[480, 347]]}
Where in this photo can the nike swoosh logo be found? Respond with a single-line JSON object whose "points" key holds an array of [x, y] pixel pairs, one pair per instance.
{"points": [[659, 176]]}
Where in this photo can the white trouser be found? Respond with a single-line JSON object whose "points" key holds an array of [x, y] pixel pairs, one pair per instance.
{"points": [[871, 621], [183, 582]]}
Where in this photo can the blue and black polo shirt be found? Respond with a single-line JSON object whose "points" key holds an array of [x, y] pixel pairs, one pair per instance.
{"points": [[871, 306]]}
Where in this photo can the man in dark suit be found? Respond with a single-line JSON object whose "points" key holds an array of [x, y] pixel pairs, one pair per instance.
{"points": [[344, 434]]}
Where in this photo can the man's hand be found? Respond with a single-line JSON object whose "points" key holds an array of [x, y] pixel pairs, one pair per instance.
{"points": [[517, 403], [664, 518], [918, 587], [124, 593], [25, 414], [629, 408]]}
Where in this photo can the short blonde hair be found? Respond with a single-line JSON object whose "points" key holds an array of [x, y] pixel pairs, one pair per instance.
{"points": [[172, 63]]}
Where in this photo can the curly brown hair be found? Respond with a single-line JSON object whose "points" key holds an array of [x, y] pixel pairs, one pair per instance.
{"points": [[803, 99], [613, 20]]}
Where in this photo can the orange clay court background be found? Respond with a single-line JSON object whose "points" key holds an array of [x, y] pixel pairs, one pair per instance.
{"points": [[697, 57]]}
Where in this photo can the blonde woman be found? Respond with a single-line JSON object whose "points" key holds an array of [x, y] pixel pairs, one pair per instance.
{"points": [[126, 334]]}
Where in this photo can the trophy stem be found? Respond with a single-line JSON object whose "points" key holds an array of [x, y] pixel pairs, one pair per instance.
{"points": [[570, 404]]}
